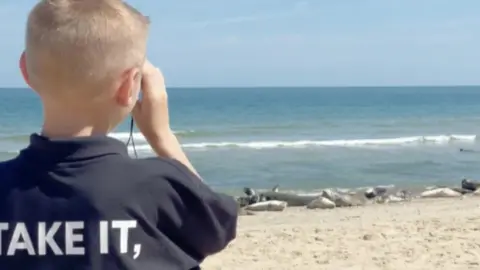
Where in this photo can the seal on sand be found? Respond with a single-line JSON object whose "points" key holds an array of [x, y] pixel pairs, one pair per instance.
{"points": [[440, 193], [275, 206], [463, 191], [375, 192], [248, 191], [251, 197], [243, 201], [470, 184]]}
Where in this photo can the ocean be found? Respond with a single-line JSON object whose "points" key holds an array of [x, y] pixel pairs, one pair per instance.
{"points": [[304, 138]]}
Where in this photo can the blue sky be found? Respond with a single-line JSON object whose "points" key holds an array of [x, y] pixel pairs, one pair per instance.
{"points": [[295, 42]]}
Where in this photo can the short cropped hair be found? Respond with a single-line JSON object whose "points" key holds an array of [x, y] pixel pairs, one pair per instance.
{"points": [[83, 43]]}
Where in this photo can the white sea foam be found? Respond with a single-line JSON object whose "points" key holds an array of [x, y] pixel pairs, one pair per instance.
{"points": [[141, 144], [401, 141]]}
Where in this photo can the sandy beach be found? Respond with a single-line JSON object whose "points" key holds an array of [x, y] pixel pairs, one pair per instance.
{"points": [[425, 234]]}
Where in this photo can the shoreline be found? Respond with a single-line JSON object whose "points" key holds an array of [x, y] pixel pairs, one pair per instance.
{"points": [[420, 234], [277, 200], [415, 188]]}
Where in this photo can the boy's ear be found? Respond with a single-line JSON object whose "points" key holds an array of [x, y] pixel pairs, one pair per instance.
{"points": [[23, 68]]}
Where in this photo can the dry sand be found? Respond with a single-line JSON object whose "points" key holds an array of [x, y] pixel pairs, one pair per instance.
{"points": [[427, 234]]}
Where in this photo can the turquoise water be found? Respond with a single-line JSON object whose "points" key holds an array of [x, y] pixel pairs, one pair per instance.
{"points": [[304, 138]]}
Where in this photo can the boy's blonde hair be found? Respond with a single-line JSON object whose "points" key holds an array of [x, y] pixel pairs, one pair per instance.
{"points": [[83, 44]]}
